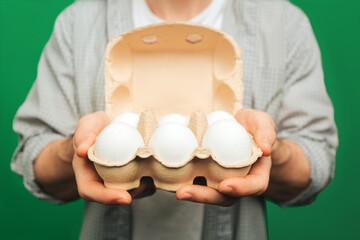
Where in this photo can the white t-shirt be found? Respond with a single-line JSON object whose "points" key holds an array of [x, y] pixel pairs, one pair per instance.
{"points": [[211, 16], [162, 216]]}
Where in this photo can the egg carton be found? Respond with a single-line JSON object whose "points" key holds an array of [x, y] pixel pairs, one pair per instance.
{"points": [[177, 67], [145, 163]]}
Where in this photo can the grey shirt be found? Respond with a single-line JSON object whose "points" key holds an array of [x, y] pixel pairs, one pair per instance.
{"points": [[282, 76]]}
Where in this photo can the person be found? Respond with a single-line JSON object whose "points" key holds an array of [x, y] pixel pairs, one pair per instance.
{"points": [[287, 110]]}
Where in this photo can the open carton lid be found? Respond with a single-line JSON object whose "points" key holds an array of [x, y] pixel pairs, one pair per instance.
{"points": [[173, 67], [167, 68]]}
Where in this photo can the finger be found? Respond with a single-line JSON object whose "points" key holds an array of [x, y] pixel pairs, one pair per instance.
{"points": [[255, 183], [85, 144], [91, 188], [265, 137], [146, 188], [261, 126], [87, 129], [203, 194]]}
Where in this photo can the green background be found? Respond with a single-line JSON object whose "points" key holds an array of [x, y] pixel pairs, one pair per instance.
{"points": [[25, 26]]}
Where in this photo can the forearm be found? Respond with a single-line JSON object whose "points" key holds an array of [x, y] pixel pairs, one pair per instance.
{"points": [[54, 172], [290, 172]]}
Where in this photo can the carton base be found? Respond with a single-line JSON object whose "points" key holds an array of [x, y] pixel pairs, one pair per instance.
{"points": [[128, 177]]}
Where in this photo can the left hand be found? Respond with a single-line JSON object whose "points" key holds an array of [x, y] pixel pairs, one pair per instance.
{"points": [[262, 127]]}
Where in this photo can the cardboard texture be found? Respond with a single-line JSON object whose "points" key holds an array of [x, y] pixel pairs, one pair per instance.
{"points": [[167, 68]]}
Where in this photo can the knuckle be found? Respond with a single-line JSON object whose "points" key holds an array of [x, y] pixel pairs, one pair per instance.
{"points": [[83, 195], [87, 118], [263, 188], [268, 118], [203, 199], [237, 190], [83, 119], [240, 192]]}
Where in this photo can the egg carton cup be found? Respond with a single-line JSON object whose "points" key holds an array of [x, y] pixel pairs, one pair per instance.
{"points": [[178, 67]]}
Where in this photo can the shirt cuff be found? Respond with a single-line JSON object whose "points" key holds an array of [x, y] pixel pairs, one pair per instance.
{"points": [[23, 164], [322, 169]]}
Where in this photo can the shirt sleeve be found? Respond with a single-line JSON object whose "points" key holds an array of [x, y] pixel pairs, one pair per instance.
{"points": [[306, 115], [49, 111]]}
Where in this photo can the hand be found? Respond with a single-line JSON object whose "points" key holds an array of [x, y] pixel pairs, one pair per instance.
{"points": [[89, 184], [262, 127]]}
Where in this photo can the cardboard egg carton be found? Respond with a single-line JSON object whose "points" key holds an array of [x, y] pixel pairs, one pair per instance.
{"points": [[177, 67], [146, 163]]}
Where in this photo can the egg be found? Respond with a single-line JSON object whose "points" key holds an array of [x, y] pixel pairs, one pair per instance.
{"points": [[117, 143], [228, 142], [128, 118], [174, 118], [218, 115], [173, 144]]}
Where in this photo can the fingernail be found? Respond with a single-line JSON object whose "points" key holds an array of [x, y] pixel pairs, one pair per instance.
{"points": [[186, 196], [227, 189]]}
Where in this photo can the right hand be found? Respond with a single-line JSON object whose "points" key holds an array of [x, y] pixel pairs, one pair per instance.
{"points": [[89, 184]]}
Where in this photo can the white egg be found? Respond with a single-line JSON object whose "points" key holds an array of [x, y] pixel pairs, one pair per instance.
{"points": [[118, 143], [217, 116], [173, 144], [128, 118], [228, 142], [174, 118]]}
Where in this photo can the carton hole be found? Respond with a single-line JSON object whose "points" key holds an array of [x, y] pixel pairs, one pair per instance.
{"points": [[150, 39], [193, 38], [200, 180], [147, 180], [146, 188]]}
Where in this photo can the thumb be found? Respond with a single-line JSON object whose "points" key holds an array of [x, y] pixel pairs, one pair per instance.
{"points": [[84, 144], [87, 129], [265, 138]]}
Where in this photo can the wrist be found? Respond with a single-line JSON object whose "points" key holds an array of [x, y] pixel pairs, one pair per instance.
{"points": [[65, 150], [290, 171], [54, 163], [53, 169], [281, 153]]}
